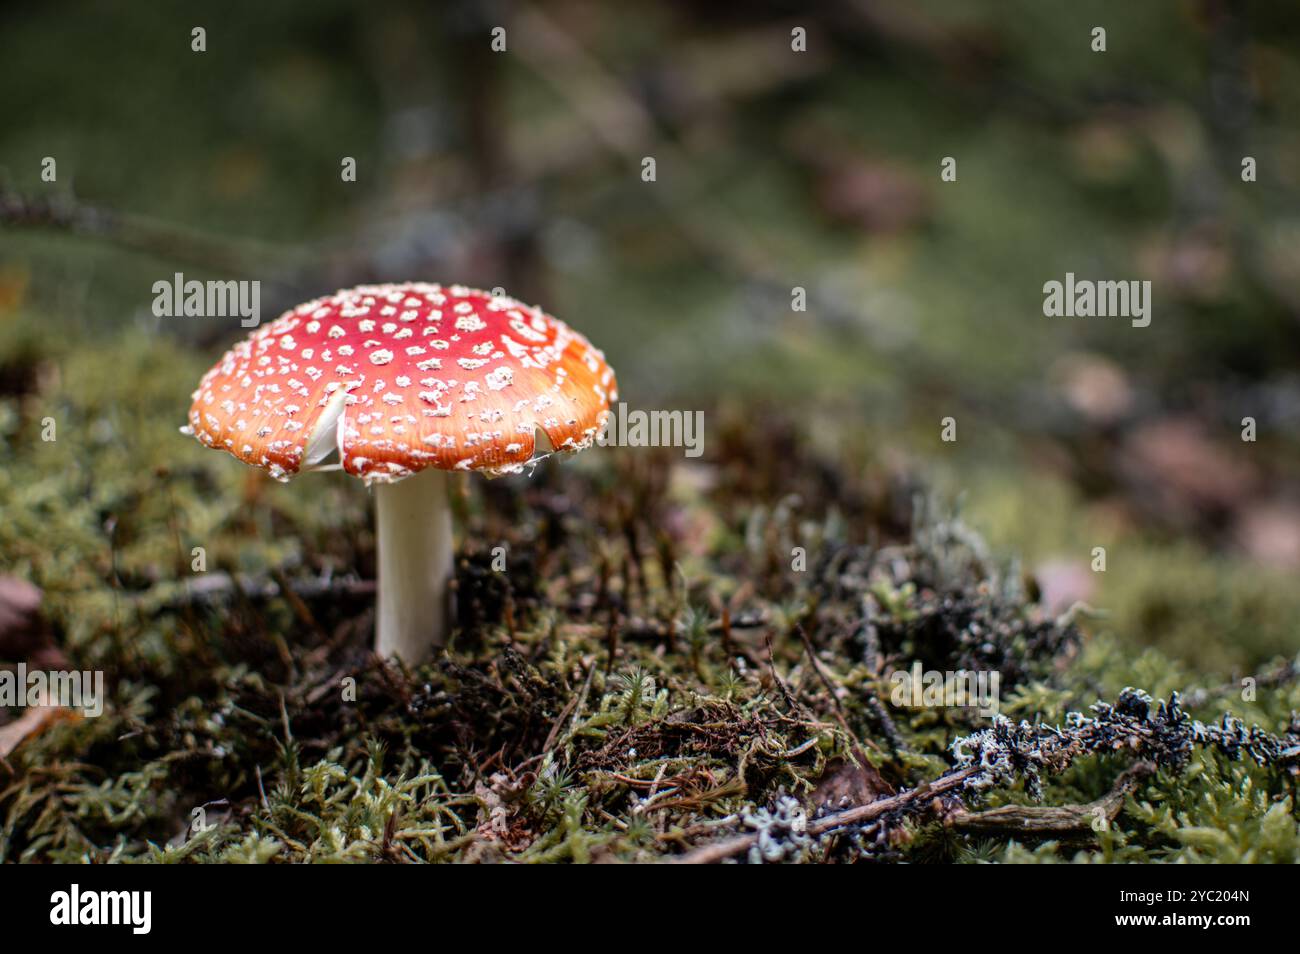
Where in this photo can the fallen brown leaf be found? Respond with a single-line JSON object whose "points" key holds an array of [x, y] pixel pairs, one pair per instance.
{"points": [[33, 722]]}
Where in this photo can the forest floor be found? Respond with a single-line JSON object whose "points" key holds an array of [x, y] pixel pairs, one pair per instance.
{"points": [[668, 659]]}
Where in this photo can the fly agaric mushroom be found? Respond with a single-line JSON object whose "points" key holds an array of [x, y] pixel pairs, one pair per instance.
{"points": [[406, 382]]}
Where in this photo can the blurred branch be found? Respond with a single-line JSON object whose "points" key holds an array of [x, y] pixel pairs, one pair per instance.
{"points": [[709, 78], [142, 234], [218, 586], [626, 128], [1282, 674], [618, 120]]}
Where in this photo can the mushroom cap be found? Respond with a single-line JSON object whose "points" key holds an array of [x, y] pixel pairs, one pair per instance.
{"points": [[403, 377]]}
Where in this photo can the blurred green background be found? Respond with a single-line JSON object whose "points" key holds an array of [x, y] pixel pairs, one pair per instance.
{"points": [[775, 169]]}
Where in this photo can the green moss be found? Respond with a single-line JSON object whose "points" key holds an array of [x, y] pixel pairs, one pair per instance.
{"points": [[596, 703]]}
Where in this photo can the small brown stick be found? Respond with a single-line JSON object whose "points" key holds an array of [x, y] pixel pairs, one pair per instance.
{"points": [[877, 782], [887, 727], [142, 234], [780, 683], [217, 585], [728, 649], [573, 706], [300, 609], [582, 697], [1066, 819]]}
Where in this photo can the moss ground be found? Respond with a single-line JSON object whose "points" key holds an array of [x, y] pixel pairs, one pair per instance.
{"points": [[646, 675]]}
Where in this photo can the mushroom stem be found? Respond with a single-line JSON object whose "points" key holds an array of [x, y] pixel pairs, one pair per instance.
{"points": [[415, 563]]}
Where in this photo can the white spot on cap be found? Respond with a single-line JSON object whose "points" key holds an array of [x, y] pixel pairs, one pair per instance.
{"points": [[500, 379]]}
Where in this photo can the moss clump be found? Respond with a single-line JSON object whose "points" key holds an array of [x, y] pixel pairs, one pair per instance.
{"points": [[653, 671]]}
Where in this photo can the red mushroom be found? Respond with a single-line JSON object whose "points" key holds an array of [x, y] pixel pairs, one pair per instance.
{"points": [[406, 382]]}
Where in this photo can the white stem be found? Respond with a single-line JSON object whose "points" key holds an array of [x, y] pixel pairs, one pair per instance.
{"points": [[413, 522]]}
